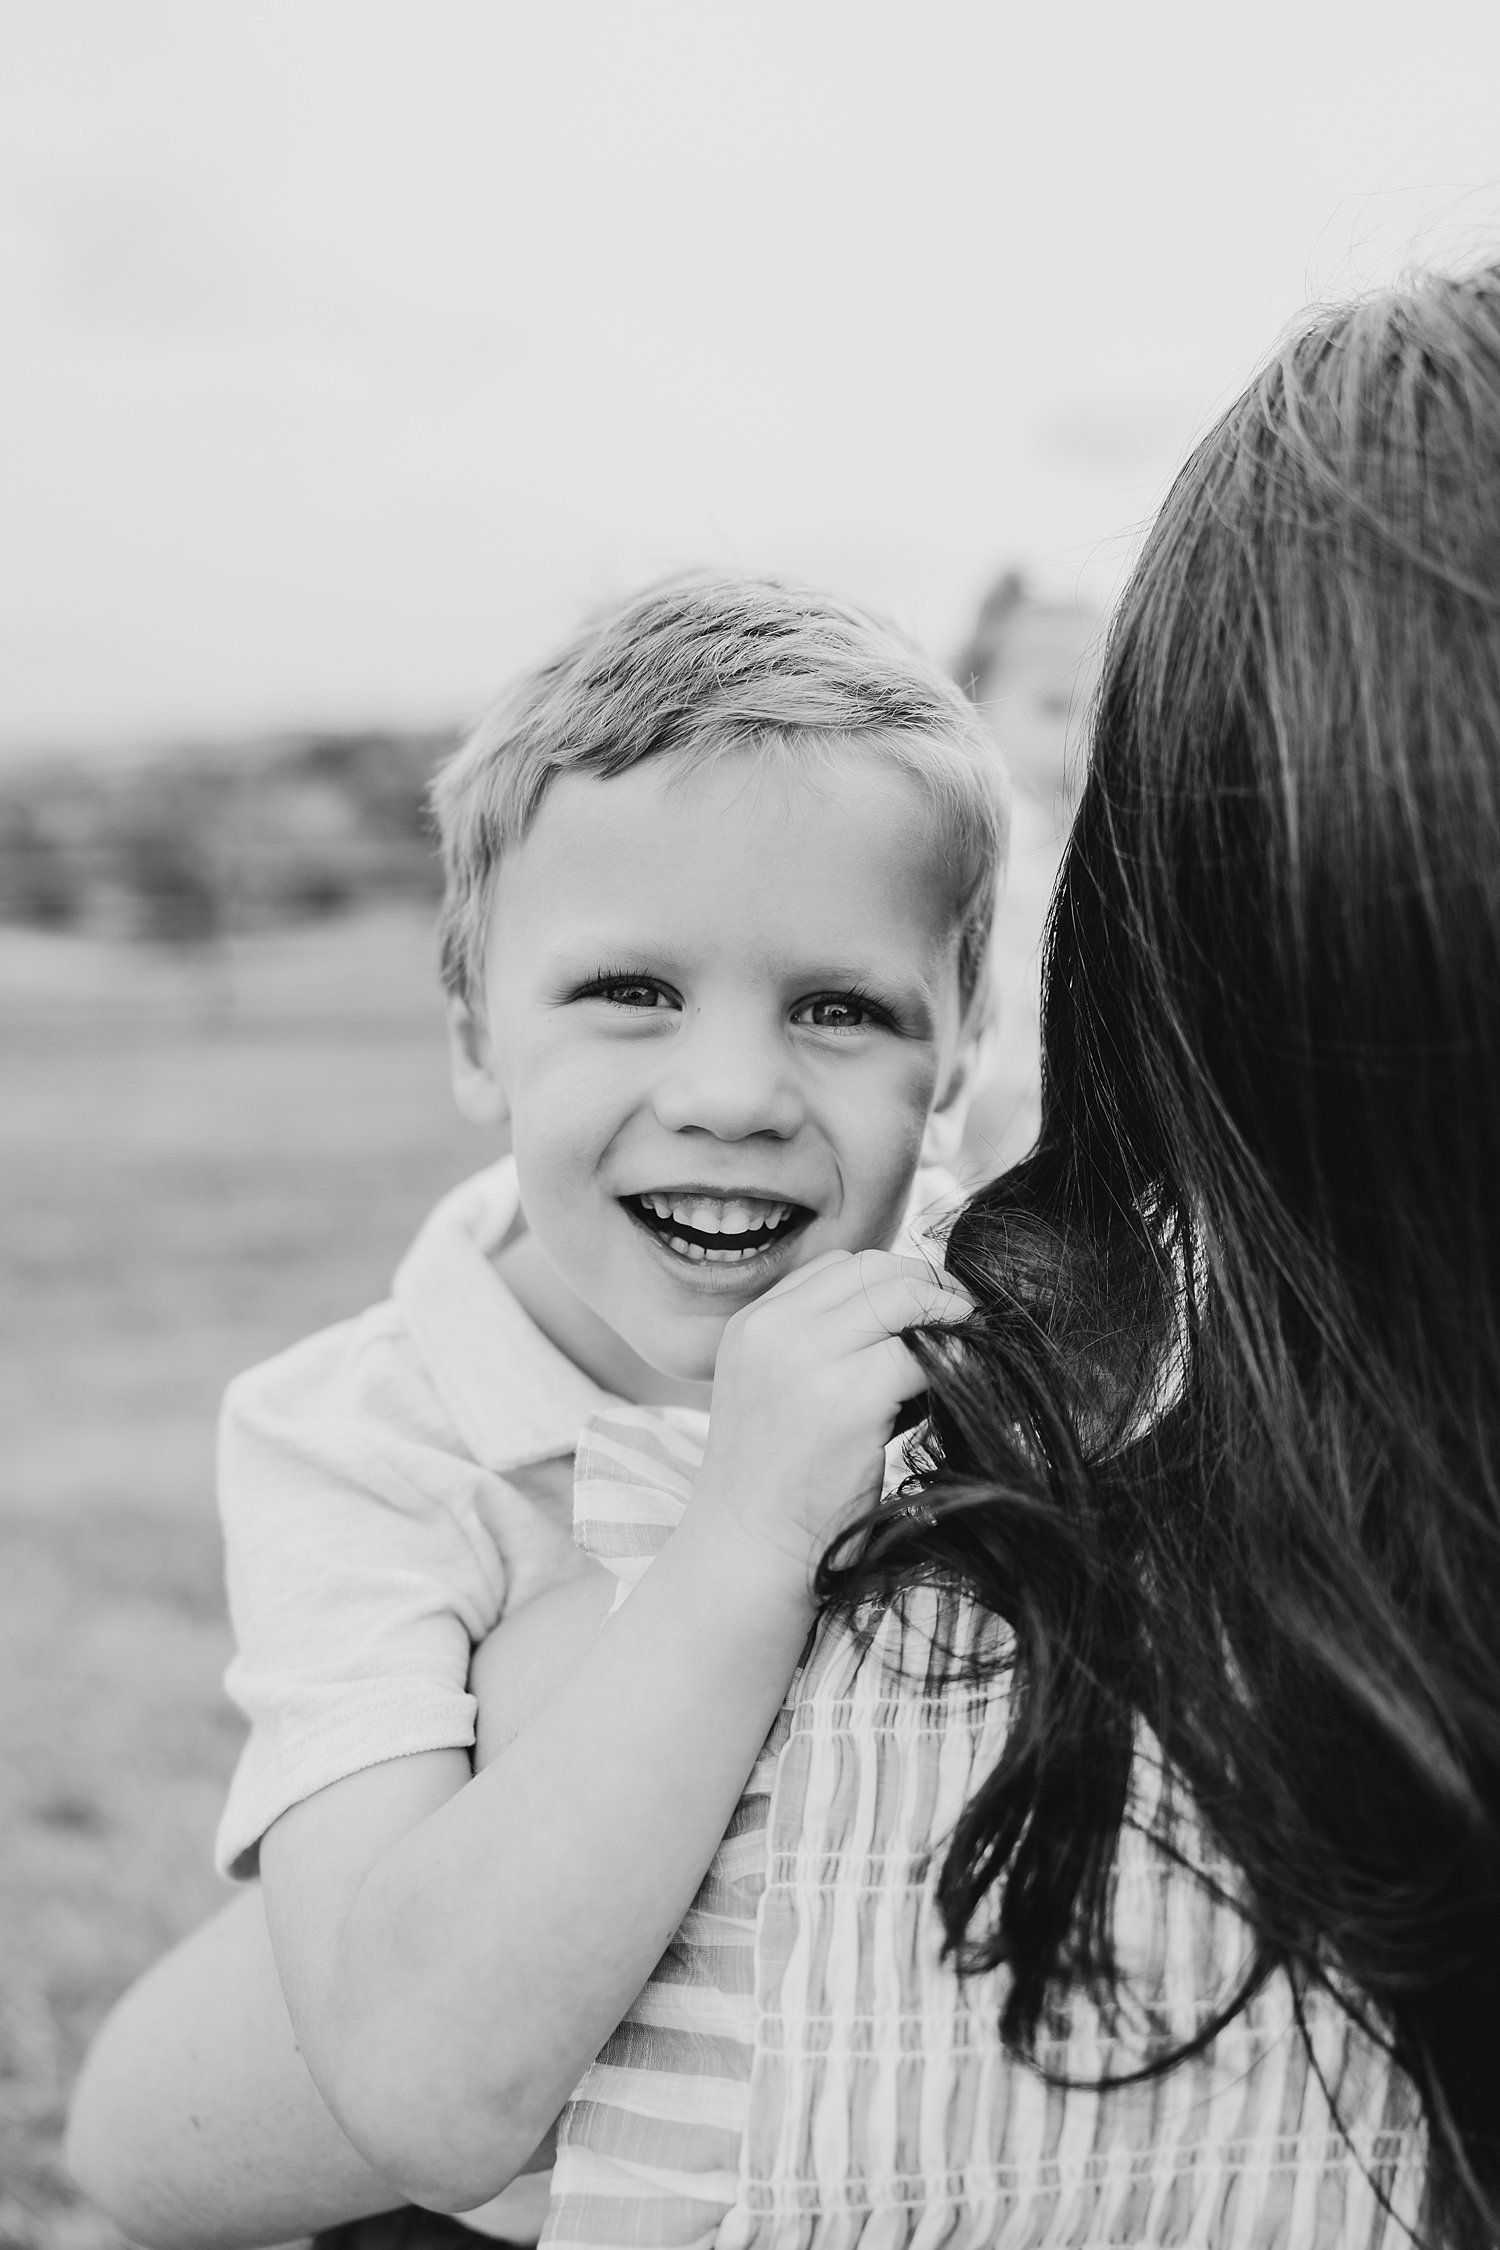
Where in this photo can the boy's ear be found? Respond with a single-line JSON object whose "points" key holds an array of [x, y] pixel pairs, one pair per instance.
{"points": [[942, 1142], [476, 1084]]}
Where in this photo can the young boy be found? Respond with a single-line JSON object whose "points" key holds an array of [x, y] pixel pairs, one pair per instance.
{"points": [[720, 879]]}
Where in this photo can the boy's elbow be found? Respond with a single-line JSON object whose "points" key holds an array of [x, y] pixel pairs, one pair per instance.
{"points": [[446, 2120], [442, 2142], [447, 2103]]}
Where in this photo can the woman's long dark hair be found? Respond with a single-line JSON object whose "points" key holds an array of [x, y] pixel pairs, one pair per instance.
{"points": [[1224, 1441]]}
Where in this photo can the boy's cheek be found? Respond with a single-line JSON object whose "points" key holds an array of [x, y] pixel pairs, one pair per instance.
{"points": [[556, 1154], [885, 1148]]}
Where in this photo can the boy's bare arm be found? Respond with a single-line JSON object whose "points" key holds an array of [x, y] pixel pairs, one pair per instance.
{"points": [[196, 2123], [454, 1956]]}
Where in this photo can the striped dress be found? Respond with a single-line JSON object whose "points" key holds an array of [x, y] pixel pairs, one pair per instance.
{"points": [[803, 2071]]}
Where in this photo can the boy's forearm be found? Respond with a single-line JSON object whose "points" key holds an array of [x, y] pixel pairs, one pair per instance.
{"points": [[472, 1973]]}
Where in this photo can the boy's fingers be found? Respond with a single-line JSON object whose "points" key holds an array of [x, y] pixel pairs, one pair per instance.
{"points": [[884, 1377], [924, 1277], [901, 1373], [896, 1303], [837, 1278], [827, 1261], [902, 1291]]}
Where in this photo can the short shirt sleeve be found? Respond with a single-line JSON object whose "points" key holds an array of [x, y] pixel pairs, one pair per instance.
{"points": [[366, 1553]]}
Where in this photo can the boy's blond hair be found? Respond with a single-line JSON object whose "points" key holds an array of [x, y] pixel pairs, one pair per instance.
{"points": [[698, 667]]}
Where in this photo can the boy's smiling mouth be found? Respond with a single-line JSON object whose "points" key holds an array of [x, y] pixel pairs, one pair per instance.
{"points": [[725, 1230]]}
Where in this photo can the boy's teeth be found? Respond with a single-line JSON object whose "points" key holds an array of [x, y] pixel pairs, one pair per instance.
{"points": [[740, 1216], [734, 1214], [702, 1255]]}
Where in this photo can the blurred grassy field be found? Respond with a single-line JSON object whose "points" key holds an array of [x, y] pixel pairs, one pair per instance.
{"points": [[199, 1162]]}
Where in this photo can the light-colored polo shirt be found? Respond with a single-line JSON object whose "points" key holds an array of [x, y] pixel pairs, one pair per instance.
{"points": [[373, 1532]]}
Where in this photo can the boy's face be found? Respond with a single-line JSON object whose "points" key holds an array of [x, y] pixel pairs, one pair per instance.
{"points": [[719, 1006]]}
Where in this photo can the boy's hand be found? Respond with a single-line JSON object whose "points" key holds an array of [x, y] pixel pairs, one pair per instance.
{"points": [[808, 1387]]}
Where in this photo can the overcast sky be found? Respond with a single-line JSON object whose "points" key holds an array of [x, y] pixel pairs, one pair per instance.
{"points": [[353, 346]]}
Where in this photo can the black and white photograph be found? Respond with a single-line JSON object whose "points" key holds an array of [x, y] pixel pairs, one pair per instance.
{"points": [[749, 1125]]}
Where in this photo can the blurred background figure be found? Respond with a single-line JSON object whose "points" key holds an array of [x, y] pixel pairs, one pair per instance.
{"points": [[1030, 665]]}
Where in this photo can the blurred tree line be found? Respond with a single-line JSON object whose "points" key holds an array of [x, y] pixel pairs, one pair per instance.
{"points": [[201, 846]]}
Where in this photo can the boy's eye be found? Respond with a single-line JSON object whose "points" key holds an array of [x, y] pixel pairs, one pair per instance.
{"points": [[628, 992], [838, 1011]]}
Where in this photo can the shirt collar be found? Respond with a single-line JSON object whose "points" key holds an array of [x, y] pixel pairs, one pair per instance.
{"points": [[512, 1395]]}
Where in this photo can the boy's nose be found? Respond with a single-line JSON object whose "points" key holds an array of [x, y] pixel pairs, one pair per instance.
{"points": [[728, 1081]]}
